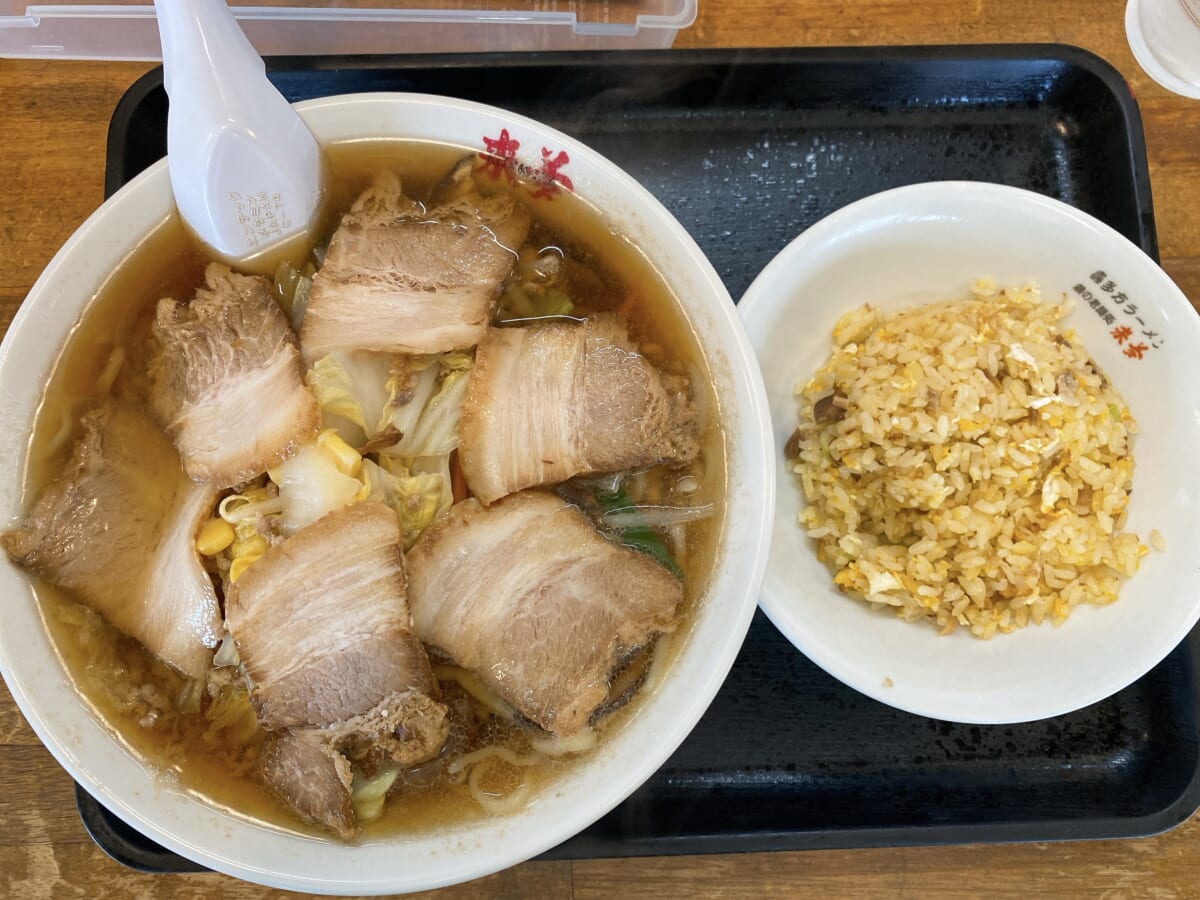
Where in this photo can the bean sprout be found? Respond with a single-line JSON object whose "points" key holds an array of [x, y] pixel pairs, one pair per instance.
{"points": [[656, 516], [237, 508]]}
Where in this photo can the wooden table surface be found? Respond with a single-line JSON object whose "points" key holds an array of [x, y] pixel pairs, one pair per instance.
{"points": [[55, 117]]}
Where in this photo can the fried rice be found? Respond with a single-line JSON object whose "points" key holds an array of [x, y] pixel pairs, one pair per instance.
{"points": [[967, 464]]}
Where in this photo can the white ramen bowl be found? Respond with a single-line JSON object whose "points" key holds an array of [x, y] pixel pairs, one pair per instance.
{"points": [[234, 844], [931, 242]]}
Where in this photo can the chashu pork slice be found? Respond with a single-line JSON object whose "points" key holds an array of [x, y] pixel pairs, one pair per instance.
{"points": [[321, 622], [311, 777], [310, 768], [400, 279], [116, 529], [550, 401], [227, 381], [528, 596]]}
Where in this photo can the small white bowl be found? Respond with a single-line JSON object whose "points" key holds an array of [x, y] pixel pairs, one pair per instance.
{"points": [[931, 242], [1165, 40], [228, 842]]}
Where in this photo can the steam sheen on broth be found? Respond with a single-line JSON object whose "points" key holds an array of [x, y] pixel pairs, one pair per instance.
{"points": [[210, 741]]}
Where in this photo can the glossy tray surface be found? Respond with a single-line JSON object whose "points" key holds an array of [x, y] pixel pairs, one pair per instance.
{"points": [[747, 149]]}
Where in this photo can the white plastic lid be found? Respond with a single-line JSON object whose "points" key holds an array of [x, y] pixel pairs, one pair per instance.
{"points": [[126, 29], [1165, 40]]}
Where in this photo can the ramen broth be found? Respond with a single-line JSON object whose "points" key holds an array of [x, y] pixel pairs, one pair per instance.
{"points": [[144, 701]]}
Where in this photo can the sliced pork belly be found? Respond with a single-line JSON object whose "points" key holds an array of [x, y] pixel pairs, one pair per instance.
{"points": [[399, 279], [529, 597], [553, 400], [117, 528], [311, 777], [228, 385], [321, 621], [310, 768]]}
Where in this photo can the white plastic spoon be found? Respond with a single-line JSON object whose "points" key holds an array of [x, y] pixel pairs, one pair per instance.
{"points": [[244, 167]]}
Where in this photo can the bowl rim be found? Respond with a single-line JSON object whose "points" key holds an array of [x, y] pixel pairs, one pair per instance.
{"points": [[166, 814], [762, 304]]}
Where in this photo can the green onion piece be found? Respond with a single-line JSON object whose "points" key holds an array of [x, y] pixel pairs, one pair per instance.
{"points": [[641, 538]]}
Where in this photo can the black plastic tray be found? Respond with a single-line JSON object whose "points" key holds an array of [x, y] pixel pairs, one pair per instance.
{"points": [[749, 148]]}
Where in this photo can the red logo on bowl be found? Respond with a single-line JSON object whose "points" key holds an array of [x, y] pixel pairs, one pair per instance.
{"points": [[544, 180]]}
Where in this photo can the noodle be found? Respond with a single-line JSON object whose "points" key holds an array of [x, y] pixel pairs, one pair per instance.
{"points": [[477, 689], [112, 369], [476, 756], [479, 762], [66, 428], [554, 745], [658, 665], [494, 804]]}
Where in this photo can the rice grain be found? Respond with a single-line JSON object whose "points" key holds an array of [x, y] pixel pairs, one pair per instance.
{"points": [[980, 473]]}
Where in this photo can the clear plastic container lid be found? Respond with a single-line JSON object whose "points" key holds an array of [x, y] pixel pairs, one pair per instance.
{"points": [[126, 29]]}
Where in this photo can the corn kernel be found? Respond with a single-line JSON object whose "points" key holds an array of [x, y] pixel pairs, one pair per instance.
{"points": [[346, 458], [214, 536], [240, 565], [255, 545]]}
